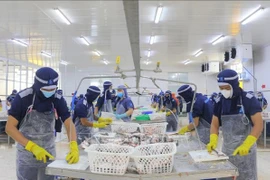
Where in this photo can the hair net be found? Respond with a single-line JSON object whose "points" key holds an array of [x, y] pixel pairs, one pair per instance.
{"points": [[123, 87], [186, 93], [92, 93], [229, 77], [106, 86]]}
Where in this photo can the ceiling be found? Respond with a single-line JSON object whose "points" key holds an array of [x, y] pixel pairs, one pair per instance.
{"points": [[184, 28]]}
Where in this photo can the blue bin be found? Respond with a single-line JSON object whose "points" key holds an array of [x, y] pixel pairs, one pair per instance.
{"points": [[147, 112]]}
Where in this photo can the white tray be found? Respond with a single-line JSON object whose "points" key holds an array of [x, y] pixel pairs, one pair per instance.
{"points": [[204, 156], [81, 165]]}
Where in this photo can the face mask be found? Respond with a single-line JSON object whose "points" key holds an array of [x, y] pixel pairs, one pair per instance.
{"points": [[48, 94], [226, 93], [120, 94]]}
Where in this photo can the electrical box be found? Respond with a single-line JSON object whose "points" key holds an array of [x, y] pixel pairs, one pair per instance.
{"points": [[211, 68]]}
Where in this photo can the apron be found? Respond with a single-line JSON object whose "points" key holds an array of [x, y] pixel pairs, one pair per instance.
{"points": [[39, 128], [236, 128], [120, 109], [84, 132], [107, 106], [204, 131], [171, 119]]}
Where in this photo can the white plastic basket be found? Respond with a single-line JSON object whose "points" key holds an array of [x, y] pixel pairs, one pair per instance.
{"points": [[109, 158], [154, 158], [125, 127], [154, 128], [157, 116]]}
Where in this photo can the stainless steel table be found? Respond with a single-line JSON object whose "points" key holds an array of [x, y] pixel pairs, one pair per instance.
{"points": [[4, 119], [184, 168]]}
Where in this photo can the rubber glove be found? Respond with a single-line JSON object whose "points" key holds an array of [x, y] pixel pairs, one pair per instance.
{"points": [[120, 116], [183, 130], [99, 125], [168, 113], [243, 149], [40, 153], [73, 155], [213, 142], [105, 120]]}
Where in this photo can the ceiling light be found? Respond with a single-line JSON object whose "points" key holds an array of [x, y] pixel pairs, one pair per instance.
{"points": [[152, 39], [105, 61], [84, 40], [46, 54], [218, 40], [149, 53], [97, 53], [19, 42], [252, 16], [62, 16], [198, 53], [158, 14], [64, 62], [187, 62]]}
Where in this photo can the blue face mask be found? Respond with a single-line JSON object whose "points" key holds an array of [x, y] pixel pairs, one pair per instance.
{"points": [[48, 94], [120, 94]]}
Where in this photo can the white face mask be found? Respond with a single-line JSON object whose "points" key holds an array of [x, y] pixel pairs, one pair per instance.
{"points": [[226, 93]]}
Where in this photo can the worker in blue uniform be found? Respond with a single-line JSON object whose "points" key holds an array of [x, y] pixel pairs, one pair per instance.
{"points": [[84, 115], [160, 101], [11, 97], [104, 102], [31, 123], [262, 100], [170, 106], [114, 97], [202, 113], [125, 106], [58, 122], [239, 114]]}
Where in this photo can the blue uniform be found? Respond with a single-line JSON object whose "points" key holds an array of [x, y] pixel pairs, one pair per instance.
{"points": [[81, 109], [250, 103], [24, 99], [123, 105]]}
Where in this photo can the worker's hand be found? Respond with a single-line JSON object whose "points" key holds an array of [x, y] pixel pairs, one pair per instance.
{"points": [[213, 142], [183, 130], [99, 125], [105, 120], [120, 116], [243, 149], [40, 153], [73, 155], [168, 113]]}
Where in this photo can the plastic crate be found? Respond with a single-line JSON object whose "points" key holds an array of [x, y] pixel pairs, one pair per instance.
{"points": [[125, 127], [154, 128], [109, 158], [154, 158]]}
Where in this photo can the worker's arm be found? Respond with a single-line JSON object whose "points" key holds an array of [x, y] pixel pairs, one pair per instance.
{"points": [[85, 122], [12, 131], [196, 123], [129, 112], [71, 131], [257, 125], [214, 125]]}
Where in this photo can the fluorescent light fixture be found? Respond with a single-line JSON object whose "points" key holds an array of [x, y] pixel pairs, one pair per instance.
{"points": [[158, 14], [253, 15], [218, 40], [19, 42], [62, 16], [152, 39], [147, 62], [198, 53], [64, 62], [84, 40], [149, 53], [46, 54], [105, 61], [187, 62], [97, 53]]}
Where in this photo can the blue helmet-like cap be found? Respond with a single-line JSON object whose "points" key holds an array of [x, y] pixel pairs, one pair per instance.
{"points": [[229, 77], [123, 87], [60, 91], [186, 92], [107, 85], [14, 91], [92, 93]]}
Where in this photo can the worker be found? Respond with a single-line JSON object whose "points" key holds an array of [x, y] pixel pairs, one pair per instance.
{"points": [[10, 98], [262, 100], [31, 123], [154, 101], [114, 97], [58, 122], [180, 100], [239, 114], [201, 113], [160, 101], [104, 102], [213, 96], [170, 106], [124, 107], [84, 115]]}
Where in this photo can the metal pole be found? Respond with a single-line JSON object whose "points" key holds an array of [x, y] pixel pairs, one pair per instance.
{"points": [[255, 79]]}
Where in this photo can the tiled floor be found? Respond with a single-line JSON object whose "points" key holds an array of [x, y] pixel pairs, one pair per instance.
{"points": [[8, 158]]}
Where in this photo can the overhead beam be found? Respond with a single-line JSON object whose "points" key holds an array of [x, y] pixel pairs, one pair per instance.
{"points": [[131, 8]]}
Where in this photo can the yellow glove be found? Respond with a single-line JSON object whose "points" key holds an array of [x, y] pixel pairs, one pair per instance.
{"points": [[213, 142], [40, 153], [243, 149], [99, 125], [73, 155], [168, 113], [183, 130], [105, 120]]}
